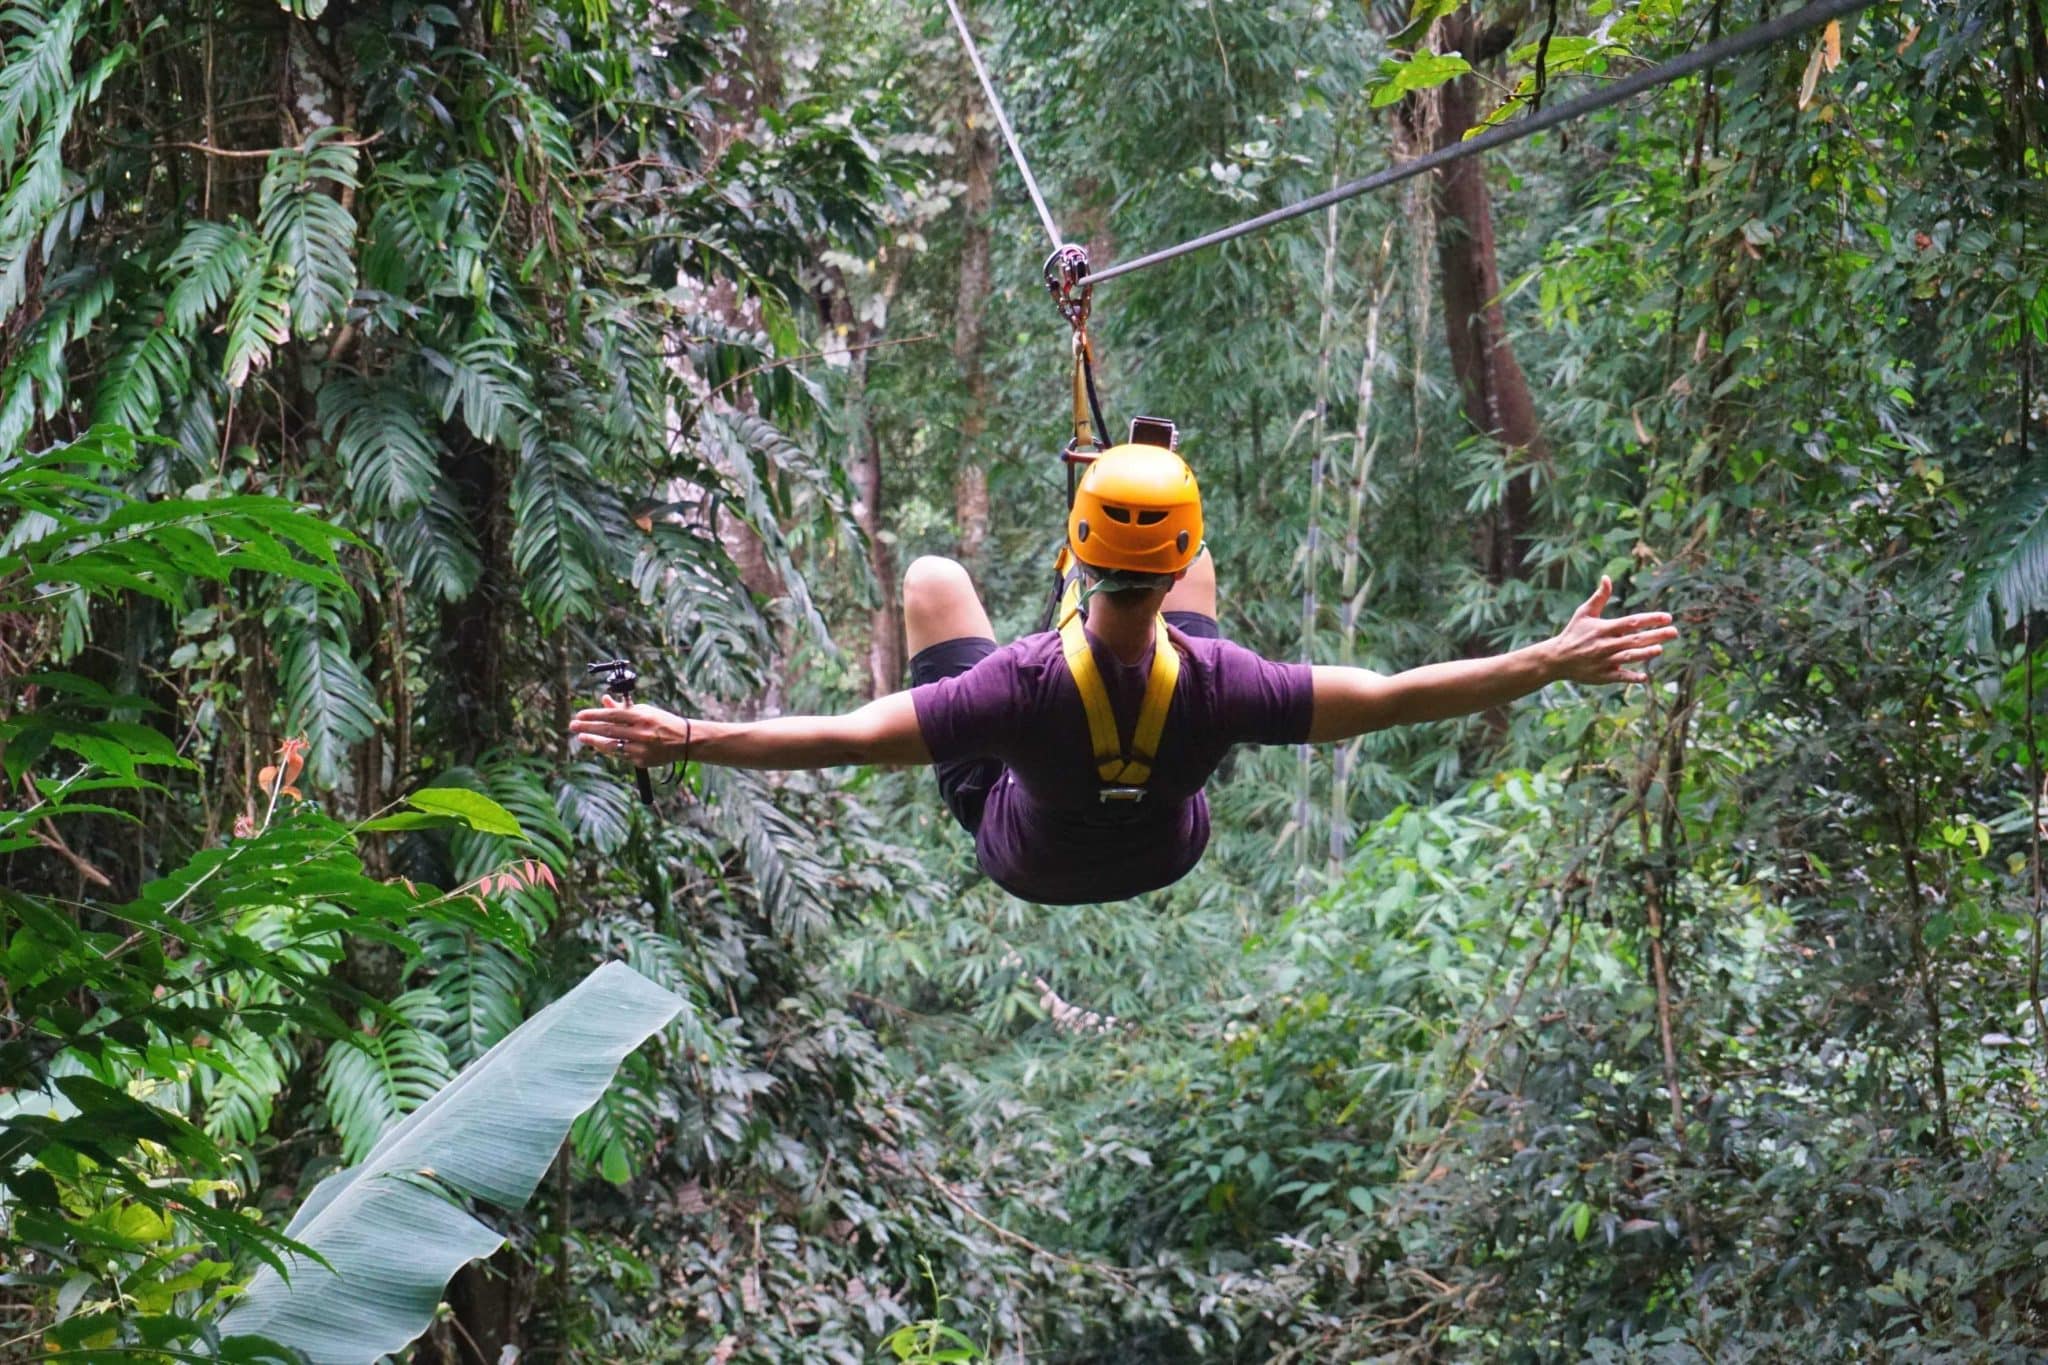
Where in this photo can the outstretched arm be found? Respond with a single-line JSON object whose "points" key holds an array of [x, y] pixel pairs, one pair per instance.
{"points": [[1351, 701], [883, 731]]}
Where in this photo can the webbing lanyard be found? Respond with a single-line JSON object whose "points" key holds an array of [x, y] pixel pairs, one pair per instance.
{"points": [[1123, 771]]}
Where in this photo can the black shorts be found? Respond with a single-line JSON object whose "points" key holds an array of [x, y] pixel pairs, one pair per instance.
{"points": [[966, 782]]}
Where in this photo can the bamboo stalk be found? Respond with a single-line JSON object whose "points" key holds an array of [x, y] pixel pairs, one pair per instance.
{"points": [[1311, 543], [1363, 451]]}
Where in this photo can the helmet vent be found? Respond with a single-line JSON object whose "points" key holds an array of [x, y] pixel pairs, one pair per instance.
{"points": [[1122, 514], [1151, 518]]}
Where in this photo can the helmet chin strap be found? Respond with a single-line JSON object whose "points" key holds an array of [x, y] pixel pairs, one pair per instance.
{"points": [[1115, 583]]}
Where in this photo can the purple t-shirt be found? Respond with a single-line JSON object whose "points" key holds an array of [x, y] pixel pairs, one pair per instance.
{"points": [[1045, 834]]}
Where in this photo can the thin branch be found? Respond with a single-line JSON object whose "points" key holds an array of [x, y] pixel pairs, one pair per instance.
{"points": [[959, 1201], [209, 150], [48, 837]]}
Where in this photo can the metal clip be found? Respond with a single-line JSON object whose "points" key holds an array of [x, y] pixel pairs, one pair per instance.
{"points": [[1121, 794], [1065, 270]]}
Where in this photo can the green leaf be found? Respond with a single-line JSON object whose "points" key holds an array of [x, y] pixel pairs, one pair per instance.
{"points": [[474, 809], [309, 231], [390, 460], [389, 1068], [259, 319], [327, 699], [2010, 578], [207, 264], [1423, 71], [390, 1230]]}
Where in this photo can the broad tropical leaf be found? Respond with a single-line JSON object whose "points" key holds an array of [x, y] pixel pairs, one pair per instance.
{"points": [[391, 1230]]}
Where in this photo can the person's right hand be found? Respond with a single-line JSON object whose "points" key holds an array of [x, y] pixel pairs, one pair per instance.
{"points": [[1591, 649], [645, 736]]}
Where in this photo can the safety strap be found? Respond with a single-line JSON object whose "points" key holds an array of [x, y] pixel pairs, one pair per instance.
{"points": [[1123, 771]]}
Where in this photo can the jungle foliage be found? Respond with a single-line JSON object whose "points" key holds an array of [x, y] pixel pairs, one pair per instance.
{"points": [[367, 368]]}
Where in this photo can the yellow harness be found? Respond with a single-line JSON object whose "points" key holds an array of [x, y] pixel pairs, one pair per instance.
{"points": [[1123, 771]]}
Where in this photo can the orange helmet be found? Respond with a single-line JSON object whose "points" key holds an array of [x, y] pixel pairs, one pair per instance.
{"points": [[1136, 510]]}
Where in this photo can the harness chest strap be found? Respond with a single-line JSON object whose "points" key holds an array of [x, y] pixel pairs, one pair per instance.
{"points": [[1114, 763]]}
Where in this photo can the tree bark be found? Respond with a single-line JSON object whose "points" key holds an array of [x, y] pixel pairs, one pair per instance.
{"points": [[858, 328], [1496, 393], [978, 153]]}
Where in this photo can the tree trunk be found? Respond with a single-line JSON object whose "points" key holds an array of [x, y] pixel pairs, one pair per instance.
{"points": [[978, 153], [858, 328], [1496, 394]]}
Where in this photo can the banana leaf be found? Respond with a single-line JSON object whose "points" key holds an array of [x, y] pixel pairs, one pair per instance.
{"points": [[395, 1228]]}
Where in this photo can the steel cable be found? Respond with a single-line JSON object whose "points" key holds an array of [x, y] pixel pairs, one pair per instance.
{"points": [[1003, 122], [1734, 45]]}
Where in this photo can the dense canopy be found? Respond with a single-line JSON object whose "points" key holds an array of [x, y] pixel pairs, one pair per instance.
{"points": [[369, 368]]}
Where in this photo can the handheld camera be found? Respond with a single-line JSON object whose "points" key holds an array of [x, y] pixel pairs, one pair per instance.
{"points": [[620, 678]]}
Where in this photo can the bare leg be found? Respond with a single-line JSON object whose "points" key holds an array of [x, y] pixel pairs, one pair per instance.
{"points": [[939, 603], [1196, 590]]}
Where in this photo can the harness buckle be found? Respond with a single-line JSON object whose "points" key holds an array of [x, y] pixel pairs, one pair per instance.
{"points": [[1121, 794]]}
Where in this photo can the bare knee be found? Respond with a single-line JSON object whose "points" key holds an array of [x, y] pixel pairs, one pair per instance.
{"points": [[932, 579]]}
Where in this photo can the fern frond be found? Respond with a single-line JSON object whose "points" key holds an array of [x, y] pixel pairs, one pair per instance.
{"points": [[206, 265], [258, 319], [326, 698], [36, 381], [759, 457], [557, 542], [36, 72], [239, 1102], [30, 206], [708, 619], [406, 232], [594, 803], [388, 457], [480, 985], [2010, 577], [309, 231], [148, 366], [524, 787], [434, 547], [651, 953], [485, 381], [615, 1133], [385, 1070], [790, 883]]}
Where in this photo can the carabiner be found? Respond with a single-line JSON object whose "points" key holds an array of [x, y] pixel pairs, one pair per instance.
{"points": [[1065, 270]]}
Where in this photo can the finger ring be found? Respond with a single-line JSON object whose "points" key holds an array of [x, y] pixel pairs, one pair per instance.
{"points": [[619, 744]]}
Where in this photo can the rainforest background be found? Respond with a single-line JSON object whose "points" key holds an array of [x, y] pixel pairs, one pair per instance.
{"points": [[370, 367]]}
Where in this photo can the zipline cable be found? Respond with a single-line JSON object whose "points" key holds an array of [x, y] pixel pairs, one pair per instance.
{"points": [[1734, 45], [1003, 122]]}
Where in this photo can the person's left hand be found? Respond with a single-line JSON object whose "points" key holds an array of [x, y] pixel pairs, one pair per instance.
{"points": [[645, 736], [1590, 649]]}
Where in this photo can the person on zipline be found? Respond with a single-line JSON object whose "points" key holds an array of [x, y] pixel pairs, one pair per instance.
{"points": [[1029, 738]]}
